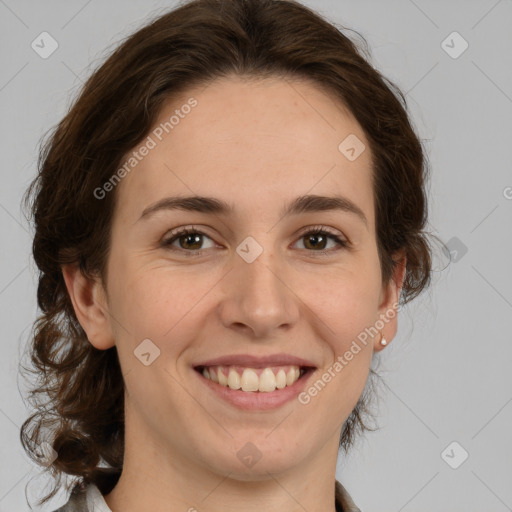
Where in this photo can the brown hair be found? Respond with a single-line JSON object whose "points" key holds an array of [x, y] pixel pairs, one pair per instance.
{"points": [[194, 44]]}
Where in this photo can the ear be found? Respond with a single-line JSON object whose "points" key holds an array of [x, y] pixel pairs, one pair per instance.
{"points": [[389, 297], [90, 305]]}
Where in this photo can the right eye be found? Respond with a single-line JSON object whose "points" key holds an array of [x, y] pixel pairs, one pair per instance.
{"points": [[188, 238]]}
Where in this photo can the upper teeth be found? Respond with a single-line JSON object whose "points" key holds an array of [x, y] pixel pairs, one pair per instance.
{"points": [[268, 380]]}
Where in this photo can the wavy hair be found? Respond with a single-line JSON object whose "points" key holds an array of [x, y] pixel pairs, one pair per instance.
{"points": [[79, 393]]}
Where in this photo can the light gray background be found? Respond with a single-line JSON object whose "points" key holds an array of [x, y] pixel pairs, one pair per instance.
{"points": [[448, 369]]}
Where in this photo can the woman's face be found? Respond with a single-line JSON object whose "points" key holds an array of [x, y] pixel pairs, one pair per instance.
{"points": [[260, 286]]}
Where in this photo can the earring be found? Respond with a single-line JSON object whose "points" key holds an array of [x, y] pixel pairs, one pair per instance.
{"points": [[383, 340]]}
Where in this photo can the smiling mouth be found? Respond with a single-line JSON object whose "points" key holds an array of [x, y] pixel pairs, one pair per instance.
{"points": [[263, 380]]}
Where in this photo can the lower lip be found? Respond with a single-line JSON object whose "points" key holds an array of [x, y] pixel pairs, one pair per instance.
{"points": [[257, 400]]}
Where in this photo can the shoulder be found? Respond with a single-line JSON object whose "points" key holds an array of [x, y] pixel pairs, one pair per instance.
{"points": [[85, 499], [344, 502], [76, 503]]}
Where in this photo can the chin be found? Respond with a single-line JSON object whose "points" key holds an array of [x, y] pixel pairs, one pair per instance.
{"points": [[255, 461]]}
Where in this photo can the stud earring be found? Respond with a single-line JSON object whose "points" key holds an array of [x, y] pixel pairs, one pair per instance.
{"points": [[383, 340]]}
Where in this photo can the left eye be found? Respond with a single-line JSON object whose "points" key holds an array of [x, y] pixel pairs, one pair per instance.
{"points": [[190, 240], [317, 238]]}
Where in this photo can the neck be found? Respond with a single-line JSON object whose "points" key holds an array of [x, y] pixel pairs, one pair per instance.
{"points": [[160, 480]]}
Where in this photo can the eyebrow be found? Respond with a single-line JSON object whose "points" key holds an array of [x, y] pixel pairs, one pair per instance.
{"points": [[302, 204]]}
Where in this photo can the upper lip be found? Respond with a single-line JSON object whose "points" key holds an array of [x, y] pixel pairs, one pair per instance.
{"points": [[257, 361]]}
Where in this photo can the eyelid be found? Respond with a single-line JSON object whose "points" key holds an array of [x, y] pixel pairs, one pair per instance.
{"points": [[339, 238], [172, 235], [325, 229]]}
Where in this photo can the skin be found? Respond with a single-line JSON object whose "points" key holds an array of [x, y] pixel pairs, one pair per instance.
{"points": [[259, 145]]}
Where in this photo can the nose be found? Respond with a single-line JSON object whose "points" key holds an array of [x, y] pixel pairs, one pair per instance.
{"points": [[258, 297]]}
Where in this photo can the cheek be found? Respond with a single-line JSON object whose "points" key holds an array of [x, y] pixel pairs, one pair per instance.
{"points": [[347, 307], [345, 300], [154, 302]]}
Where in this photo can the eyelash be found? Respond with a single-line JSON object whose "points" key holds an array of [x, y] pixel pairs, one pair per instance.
{"points": [[316, 230]]}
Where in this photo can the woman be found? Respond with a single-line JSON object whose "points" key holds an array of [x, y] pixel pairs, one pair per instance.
{"points": [[227, 221]]}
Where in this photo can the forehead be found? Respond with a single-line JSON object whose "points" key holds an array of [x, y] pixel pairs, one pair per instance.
{"points": [[256, 144]]}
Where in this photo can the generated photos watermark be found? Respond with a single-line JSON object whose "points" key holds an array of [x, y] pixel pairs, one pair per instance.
{"points": [[343, 360]]}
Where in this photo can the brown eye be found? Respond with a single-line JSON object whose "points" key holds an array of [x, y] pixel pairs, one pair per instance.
{"points": [[189, 240], [316, 239]]}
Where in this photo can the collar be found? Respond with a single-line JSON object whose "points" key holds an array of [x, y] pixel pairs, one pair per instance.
{"points": [[94, 499], [344, 502]]}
